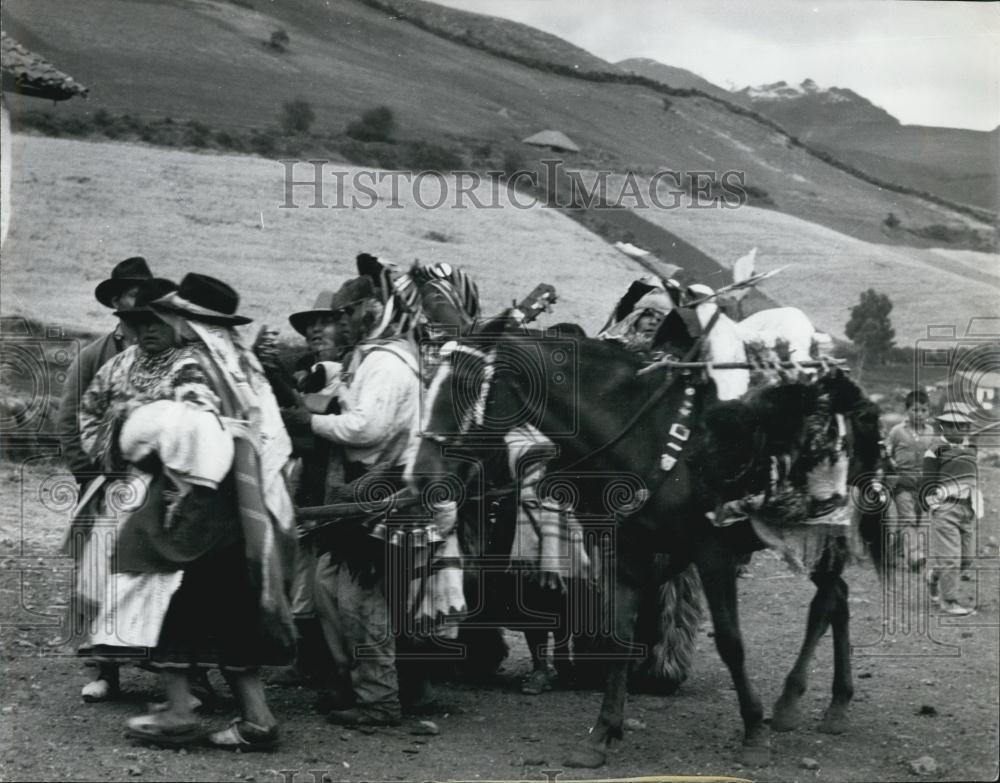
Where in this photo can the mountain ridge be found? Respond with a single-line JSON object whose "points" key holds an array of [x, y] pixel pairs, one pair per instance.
{"points": [[478, 91]]}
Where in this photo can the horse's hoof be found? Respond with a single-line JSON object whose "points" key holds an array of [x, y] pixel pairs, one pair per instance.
{"points": [[755, 755], [586, 757], [786, 717], [833, 723]]}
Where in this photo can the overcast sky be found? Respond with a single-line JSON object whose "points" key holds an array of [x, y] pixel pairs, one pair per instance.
{"points": [[926, 63]]}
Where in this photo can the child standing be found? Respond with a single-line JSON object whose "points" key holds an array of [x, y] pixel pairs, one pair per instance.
{"points": [[951, 489], [906, 444]]}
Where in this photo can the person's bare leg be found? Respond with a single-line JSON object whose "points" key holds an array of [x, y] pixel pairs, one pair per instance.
{"points": [[249, 691], [177, 687]]}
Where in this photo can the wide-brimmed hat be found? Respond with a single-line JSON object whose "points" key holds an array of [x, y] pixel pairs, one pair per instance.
{"points": [[958, 406], [352, 293], [126, 274], [204, 298], [149, 290], [301, 320], [953, 417]]}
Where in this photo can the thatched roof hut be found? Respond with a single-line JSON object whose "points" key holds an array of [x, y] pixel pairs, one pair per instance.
{"points": [[554, 140], [26, 73]]}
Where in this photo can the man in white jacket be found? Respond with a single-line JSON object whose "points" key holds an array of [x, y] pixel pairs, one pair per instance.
{"points": [[377, 428]]}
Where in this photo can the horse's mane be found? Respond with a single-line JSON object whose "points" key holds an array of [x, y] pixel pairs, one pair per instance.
{"points": [[741, 436]]}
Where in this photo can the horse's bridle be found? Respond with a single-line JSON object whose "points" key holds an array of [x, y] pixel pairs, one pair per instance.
{"points": [[477, 413]]}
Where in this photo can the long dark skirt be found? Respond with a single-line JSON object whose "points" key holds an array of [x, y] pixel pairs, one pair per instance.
{"points": [[214, 619]]}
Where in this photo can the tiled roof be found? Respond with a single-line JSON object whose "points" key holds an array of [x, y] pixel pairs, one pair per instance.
{"points": [[28, 74]]}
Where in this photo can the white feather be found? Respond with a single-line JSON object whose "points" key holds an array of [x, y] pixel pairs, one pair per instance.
{"points": [[743, 267]]}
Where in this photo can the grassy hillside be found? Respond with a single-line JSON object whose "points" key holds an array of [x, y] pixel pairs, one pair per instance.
{"points": [[956, 164], [207, 61], [961, 165], [677, 77], [481, 29], [828, 270], [82, 206]]}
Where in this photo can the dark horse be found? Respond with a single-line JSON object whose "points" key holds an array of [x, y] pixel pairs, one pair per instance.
{"points": [[683, 453]]}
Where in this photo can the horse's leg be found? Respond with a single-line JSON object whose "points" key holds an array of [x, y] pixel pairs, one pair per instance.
{"points": [[539, 679], [593, 752], [562, 635], [835, 719], [717, 566], [787, 714]]}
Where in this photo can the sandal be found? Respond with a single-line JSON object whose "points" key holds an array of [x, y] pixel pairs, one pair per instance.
{"points": [[194, 704], [537, 682], [150, 728], [98, 690], [246, 737]]}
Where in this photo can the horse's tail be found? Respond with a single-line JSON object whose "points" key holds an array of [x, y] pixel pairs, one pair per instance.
{"points": [[679, 613]]}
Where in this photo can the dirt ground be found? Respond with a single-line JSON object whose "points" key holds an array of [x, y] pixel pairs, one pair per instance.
{"points": [[927, 686]]}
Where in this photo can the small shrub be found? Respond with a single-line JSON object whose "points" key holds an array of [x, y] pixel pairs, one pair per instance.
{"points": [[424, 156], [196, 134], [376, 124], [758, 196], [75, 126], [279, 40], [297, 116], [513, 160], [102, 119], [264, 143], [130, 123], [437, 236], [891, 221]]}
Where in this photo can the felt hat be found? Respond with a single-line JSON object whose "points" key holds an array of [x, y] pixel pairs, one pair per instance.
{"points": [[953, 417], [301, 319], [352, 293], [203, 298], [126, 274], [149, 290]]}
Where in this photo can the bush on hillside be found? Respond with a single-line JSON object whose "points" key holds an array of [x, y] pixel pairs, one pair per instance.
{"points": [[513, 161], [297, 116], [375, 124], [279, 40], [891, 221], [264, 143], [962, 236], [424, 156], [196, 134]]}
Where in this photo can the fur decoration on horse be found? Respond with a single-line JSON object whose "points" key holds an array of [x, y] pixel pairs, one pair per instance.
{"points": [[669, 628]]}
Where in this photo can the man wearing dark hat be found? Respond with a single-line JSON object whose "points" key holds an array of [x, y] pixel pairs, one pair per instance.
{"points": [[311, 381], [117, 292], [377, 429]]}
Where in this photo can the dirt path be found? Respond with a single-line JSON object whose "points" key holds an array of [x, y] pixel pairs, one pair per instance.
{"points": [[946, 669]]}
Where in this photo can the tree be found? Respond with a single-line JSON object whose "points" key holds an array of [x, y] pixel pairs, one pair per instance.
{"points": [[869, 327], [375, 125], [297, 116]]}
